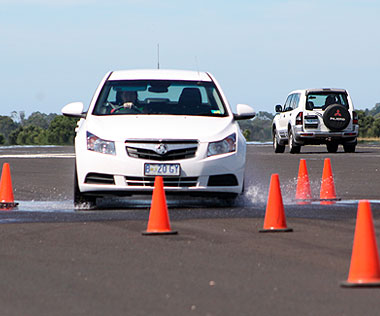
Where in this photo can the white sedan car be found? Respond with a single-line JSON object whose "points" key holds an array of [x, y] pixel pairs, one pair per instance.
{"points": [[145, 123]]}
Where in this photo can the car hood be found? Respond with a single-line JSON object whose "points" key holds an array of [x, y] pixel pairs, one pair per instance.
{"points": [[120, 128]]}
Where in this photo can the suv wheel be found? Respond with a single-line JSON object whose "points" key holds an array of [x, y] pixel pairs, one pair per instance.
{"points": [[278, 148], [349, 148], [332, 147], [293, 147]]}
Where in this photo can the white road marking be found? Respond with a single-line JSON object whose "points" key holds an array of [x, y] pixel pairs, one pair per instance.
{"points": [[58, 155]]}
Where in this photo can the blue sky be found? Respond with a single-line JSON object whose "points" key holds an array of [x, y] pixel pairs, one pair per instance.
{"points": [[56, 51]]}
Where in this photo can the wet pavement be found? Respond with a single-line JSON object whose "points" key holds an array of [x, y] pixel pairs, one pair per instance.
{"points": [[63, 211], [60, 261]]}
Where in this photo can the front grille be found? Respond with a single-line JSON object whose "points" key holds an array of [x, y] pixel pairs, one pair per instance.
{"points": [[99, 178], [150, 149], [148, 154], [178, 182]]}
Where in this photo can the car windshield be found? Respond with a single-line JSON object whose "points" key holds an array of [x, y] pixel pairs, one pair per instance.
{"points": [[321, 100], [126, 97]]}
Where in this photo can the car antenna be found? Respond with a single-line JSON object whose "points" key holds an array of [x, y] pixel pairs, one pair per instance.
{"points": [[158, 56], [196, 65]]}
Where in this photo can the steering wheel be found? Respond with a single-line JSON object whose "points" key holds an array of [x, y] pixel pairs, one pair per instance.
{"points": [[116, 108]]}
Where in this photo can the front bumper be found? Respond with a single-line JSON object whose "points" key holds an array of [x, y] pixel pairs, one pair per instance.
{"points": [[103, 175]]}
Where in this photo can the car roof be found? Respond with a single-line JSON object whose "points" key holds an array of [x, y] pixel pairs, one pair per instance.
{"points": [[307, 91], [325, 90], [159, 74]]}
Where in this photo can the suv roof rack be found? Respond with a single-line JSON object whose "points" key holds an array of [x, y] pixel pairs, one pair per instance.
{"points": [[325, 90]]}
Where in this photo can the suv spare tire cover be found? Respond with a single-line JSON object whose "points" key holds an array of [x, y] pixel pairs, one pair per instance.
{"points": [[336, 117]]}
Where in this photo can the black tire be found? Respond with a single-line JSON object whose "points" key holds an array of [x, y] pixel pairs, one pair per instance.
{"points": [[349, 148], [278, 148], [294, 148], [332, 147], [229, 201], [81, 201], [336, 117]]}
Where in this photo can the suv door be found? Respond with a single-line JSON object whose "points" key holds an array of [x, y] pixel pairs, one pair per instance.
{"points": [[284, 117], [321, 102]]}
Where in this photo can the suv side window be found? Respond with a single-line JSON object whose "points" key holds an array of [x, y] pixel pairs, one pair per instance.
{"points": [[288, 103], [295, 101]]}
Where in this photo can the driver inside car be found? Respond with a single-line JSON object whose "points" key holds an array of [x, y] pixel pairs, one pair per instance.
{"points": [[126, 100]]}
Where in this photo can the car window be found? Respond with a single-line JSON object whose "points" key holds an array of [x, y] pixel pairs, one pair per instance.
{"points": [[287, 106], [295, 101], [321, 100], [159, 97], [288, 103]]}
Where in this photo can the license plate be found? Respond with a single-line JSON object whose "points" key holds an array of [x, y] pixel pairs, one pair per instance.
{"points": [[162, 169]]}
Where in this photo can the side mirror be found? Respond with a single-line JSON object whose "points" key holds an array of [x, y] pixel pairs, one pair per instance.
{"points": [[244, 112], [278, 108], [74, 109]]}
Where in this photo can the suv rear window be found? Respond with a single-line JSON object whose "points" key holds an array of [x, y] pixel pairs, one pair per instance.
{"points": [[321, 100]]}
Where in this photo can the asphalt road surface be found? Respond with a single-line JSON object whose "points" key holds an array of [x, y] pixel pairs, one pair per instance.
{"points": [[58, 261]]}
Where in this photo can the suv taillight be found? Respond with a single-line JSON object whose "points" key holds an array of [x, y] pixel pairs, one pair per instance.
{"points": [[355, 118], [299, 118]]}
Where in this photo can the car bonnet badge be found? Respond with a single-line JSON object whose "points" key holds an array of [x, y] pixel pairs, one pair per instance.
{"points": [[161, 149]]}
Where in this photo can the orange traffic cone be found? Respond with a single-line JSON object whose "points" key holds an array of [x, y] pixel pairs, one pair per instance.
{"points": [[158, 217], [327, 193], [365, 264], [303, 192], [275, 215], [6, 192]]}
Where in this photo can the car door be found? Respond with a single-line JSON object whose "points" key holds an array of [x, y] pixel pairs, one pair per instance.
{"points": [[284, 117]]}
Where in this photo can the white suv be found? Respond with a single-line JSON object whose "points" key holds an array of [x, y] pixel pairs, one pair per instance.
{"points": [[314, 117]]}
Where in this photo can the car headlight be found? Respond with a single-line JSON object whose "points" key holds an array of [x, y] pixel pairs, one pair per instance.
{"points": [[224, 146], [94, 143]]}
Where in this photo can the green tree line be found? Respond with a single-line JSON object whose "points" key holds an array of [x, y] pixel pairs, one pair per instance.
{"points": [[54, 129], [259, 128], [37, 129], [369, 122]]}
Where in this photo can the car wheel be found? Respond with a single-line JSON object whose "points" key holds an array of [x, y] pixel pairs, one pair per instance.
{"points": [[293, 147], [81, 201], [332, 147], [229, 201], [278, 148], [349, 148]]}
